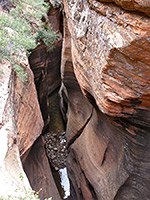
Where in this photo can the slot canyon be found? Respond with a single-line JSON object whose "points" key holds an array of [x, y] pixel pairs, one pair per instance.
{"points": [[85, 106]]}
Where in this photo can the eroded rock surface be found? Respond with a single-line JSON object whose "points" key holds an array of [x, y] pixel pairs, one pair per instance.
{"points": [[109, 156], [21, 123], [132, 5], [111, 55], [27, 111], [75, 107], [45, 64], [39, 173], [18, 128]]}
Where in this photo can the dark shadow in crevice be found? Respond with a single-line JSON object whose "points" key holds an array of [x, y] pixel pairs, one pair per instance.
{"points": [[73, 139], [90, 98]]}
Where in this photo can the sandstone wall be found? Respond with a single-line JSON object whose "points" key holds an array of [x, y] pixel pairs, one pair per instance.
{"points": [[20, 125], [109, 155]]}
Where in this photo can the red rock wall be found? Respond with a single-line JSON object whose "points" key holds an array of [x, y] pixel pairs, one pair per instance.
{"points": [[46, 68], [45, 65], [21, 121], [20, 124], [109, 151], [27, 112]]}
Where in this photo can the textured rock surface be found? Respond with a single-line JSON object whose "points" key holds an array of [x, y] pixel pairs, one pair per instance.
{"points": [[46, 66], [38, 171], [27, 111], [77, 112], [38, 62], [109, 159], [13, 131], [21, 124], [111, 55], [133, 5]]}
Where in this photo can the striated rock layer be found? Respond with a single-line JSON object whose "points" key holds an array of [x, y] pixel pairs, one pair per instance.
{"points": [[45, 65], [21, 122], [20, 125], [109, 151], [132, 5]]}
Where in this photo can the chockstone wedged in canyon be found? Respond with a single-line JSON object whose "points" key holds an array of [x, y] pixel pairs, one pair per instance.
{"points": [[108, 135]]}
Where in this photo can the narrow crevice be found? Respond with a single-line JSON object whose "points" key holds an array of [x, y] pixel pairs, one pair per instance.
{"points": [[121, 188], [91, 189], [79, 132], [88, 184], [90, 98], [104, 157], [57, 180]]}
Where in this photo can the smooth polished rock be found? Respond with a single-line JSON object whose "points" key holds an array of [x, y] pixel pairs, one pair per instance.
{"points": [[39, 173], [110, 47], [20, 116]]}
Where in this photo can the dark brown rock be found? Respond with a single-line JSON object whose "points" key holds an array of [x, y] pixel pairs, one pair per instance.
{"points": [[39, 173], [54, 59], [38, 62], [45, 64]]}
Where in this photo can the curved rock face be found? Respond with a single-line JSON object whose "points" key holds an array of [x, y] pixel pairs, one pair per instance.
{"points": [[110, 46], [39, 173], [45, 65], [27, 112], [20, 125], [111, 55], [75, 113]]}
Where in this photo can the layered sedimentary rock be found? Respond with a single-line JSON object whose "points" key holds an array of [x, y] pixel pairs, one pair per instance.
{"points": [[132, 5], [38, 63], [45, 64], [112, 48], [75, 112], [27, 111], [109, 157], [20, 124]]}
